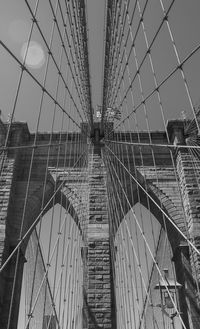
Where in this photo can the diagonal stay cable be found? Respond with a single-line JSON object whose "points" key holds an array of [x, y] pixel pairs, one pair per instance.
{"points": [[64, 47], [150, 197], [37, 219], [38, 82], [41, 284], [147, 244], [175, 69], [147, 290], [131, 49], [133, 43], [136, 259], [50, 52]]}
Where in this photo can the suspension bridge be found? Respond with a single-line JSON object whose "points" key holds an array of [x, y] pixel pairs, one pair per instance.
{"points": [[100, 164]]}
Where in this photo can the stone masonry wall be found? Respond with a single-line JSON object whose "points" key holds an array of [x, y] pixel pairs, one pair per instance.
{"points": [[5, 190], [189, 183], [98, 278]]}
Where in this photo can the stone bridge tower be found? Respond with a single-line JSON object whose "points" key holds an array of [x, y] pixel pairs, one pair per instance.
{"points": [[180, 203]]}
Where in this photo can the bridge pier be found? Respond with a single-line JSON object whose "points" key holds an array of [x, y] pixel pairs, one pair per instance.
{"points": [[187, 261], [99, 304], [9, 309]]}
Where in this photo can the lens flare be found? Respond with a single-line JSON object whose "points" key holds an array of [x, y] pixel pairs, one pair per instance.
{"points": [[33, 54]]}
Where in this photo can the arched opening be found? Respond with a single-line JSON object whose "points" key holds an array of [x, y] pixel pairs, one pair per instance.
{"points": [[142, 251], [53, 274]]}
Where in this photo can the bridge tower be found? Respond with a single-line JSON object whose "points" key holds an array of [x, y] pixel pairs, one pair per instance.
{"points": [[172, 207]]}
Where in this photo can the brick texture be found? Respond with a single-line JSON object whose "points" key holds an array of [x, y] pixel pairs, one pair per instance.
{"points": [[98, 273]]}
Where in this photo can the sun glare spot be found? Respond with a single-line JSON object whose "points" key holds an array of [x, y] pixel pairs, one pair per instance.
{"points": [[33, 54]]}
